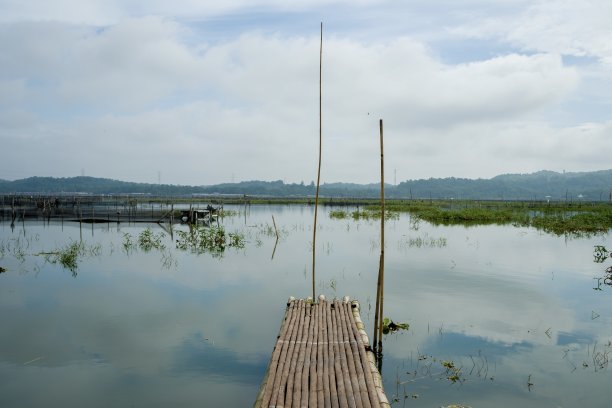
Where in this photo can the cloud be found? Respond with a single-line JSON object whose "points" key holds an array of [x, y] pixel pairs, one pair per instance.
{"points": [[159, 93], [569, 27]]}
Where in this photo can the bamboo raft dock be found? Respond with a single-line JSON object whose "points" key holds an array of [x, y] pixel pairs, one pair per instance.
{"points": [[322, 358]]}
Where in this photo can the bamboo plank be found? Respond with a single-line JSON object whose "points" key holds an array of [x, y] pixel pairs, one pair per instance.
{"points": [[267, 394], [322, 359], [306, 368], [343, 358], [297, 388], [313, 377], [320, 362], [277, 397], [338, 374], [369, 379], [284, 387], [331, 378], [356, 358], [350, 376]]}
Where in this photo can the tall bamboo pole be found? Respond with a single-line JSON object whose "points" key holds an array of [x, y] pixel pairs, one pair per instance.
{"points": [[314, 231], [378, 316]]}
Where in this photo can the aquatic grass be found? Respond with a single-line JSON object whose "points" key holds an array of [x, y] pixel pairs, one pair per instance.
{"points": [[147, 240], [236, 240], [424, 241], [577, 224], [566, 218], [470, 216], [389, 326], [128, 243], [338, 214], [70, 255], [17, 247], [214, 240], [367, 213], [228, 213], [601, 253]]}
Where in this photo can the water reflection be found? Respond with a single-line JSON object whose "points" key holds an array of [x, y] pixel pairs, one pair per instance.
{"points": [[505, 306]]}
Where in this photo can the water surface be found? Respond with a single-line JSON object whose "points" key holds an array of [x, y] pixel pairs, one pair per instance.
{"points": [[514, 311]]}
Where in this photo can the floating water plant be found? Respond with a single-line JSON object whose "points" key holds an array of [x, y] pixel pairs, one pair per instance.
{"points": [[147, 240], [389, 326], [200, 239], [128, 243], [338, 214], [69, 256], [600, 254], [424, 241], [369, 213]]}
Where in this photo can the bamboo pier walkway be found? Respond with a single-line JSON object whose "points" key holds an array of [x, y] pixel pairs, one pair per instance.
{"points": [[322, 358]]}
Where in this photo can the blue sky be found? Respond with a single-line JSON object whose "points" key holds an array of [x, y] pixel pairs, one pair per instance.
{"points": [[205, 92]]}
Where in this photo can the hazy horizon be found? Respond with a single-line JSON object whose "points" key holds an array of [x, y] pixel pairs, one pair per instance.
{"points": [[387, 181]]}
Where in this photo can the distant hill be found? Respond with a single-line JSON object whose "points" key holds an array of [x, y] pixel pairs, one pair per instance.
{"points": [[90, 185], [596, 185]]}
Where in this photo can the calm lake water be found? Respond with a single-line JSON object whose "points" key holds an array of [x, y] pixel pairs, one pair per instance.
{"points": [[515, 311]]}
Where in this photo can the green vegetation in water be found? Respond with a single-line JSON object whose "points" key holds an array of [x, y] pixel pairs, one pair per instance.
{"points": [[559, 218], [215, 240], [147, 240], [424, 241], [453, 373], [69, 256], [389, 326], [338, 214], [228, 213], [601, 253], [17, 247], [128, 243], [369, 213], [577, 224], [429, 367]]}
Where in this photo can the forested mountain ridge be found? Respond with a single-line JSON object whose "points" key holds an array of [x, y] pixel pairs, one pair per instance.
{"points": [[596, 185]]}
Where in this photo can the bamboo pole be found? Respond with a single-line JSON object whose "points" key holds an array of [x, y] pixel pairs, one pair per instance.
{"points": [[314, 231], [382, 237], [378, 316], [275, 230]]}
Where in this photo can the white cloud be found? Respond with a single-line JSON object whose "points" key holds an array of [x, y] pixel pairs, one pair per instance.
{"points": [[153, 84], [570, 27]]}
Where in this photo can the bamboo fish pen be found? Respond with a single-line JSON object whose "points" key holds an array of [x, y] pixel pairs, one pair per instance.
{"points": [[322, 358]]}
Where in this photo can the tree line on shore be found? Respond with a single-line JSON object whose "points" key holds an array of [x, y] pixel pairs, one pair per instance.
{"points": [[542, 185]]}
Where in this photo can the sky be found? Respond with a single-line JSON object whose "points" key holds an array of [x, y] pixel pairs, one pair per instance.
{"points": [[206, 92]]}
